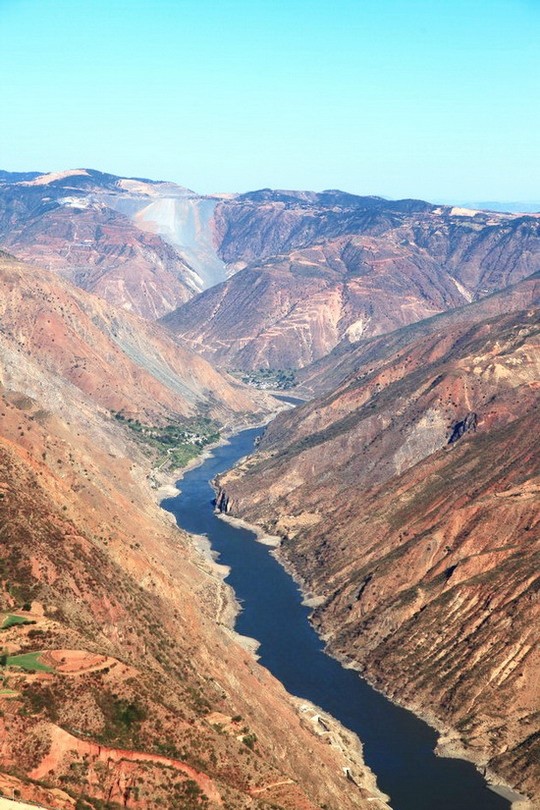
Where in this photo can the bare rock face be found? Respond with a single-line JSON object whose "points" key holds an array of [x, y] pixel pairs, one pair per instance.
{"points": [[312, 270], [409, 497], [146, 247]]}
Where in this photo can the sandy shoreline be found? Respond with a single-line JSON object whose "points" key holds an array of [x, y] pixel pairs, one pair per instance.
{"points": [[260, 536], [166, 482]]}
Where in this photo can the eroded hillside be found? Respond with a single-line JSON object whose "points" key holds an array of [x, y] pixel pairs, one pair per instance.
{"points": [[122, 683], [141, 245], [315, 269], [117, 361], [409, 498]]}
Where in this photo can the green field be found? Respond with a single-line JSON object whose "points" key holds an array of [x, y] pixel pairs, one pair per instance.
{"points": [[28, 661], [8, 693], [175, 444], [11, 620]]}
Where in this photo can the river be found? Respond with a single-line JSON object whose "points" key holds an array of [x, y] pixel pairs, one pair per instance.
{"points": [[398, 747]]}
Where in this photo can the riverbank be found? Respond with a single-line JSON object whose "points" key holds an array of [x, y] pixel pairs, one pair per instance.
{"points": [[449, 744], [165, 484], [345, 744]]}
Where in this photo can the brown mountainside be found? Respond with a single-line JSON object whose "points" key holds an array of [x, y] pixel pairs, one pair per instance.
{"points": [[119, 238], [316, 269], [344, 360], [146, 697], [409, 498], [132, 690], [118, 361]]}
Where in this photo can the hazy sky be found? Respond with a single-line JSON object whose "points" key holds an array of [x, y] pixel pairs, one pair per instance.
{"points": [[427, 98]]}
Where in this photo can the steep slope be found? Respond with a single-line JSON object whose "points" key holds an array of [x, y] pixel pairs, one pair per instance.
{"points": [[118, 361], [315, 269], [409, 498], [328, 372], [142, 245], [122, 684]]}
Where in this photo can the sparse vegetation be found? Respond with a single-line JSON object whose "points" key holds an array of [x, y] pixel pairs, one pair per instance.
{"points": [[40, 698], [276, 379], [174, 444], [249, 740], [122, 718]]}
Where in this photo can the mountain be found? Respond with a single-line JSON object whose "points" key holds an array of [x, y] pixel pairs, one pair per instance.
{"points": [[407, 498], [117, 361], [142, 245], [315, 269], [272, 279], [122, 682], [346, 359]]}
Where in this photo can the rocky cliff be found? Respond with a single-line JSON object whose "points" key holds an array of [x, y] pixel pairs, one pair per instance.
{"points": [[409, 498]]}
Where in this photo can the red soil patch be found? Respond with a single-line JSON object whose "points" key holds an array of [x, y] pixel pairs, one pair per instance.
{"points": [[126, 762], [75, 662]]}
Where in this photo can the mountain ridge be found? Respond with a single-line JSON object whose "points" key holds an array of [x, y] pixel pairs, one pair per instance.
{"points": [[309, 275], [407, 497]]}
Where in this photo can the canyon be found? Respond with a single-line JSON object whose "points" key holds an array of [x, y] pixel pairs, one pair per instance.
{"points": [[404, 491], [407, 498], [122, 682]]}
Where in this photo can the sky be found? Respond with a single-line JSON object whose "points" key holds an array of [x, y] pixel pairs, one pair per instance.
{"points": [[437, 99]]}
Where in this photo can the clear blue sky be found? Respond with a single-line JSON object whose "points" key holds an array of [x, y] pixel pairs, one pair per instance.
{"points": [[427, 98]]}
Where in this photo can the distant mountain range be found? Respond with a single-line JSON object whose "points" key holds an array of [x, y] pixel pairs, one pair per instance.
{"points": [[530, 207], [313, 270], [322, 267]]}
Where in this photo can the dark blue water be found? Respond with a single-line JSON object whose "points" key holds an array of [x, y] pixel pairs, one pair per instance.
{"points": [[397, 746]]}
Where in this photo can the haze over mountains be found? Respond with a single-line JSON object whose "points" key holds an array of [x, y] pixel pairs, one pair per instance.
{"points": [[532, 207], [406, 491], [142, 245], [322, 267]]}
